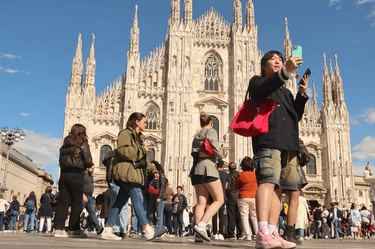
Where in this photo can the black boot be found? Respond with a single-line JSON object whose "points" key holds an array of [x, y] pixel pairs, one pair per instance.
{"points": [[289, 235]]}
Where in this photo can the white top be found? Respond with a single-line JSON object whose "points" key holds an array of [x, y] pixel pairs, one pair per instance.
{"points": [[3, 205]]}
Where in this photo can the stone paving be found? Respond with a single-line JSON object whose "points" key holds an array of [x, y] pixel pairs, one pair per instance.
{"points": [[47, 241]]}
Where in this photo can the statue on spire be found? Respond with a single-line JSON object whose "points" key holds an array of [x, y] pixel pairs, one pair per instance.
{"points": [[93, 39]]}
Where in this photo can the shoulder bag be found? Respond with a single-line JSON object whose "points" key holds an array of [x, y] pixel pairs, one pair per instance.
{"points": [[252, 117], [206, 146]]}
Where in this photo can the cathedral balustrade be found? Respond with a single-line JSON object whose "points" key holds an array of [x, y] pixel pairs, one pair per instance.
{"points": [[151, 91]]}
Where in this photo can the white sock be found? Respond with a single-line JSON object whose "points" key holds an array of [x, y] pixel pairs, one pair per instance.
{"points": [[261, 224], [272, 228], [202, 225]]}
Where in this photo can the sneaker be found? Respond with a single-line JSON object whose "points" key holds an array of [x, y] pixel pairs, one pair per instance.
{"points": [[285, 244], [60, 234], [247, 238], [220, 237], [202, 233], [78, 234], [132, 234], [215, 237], [99, 231], [264, 240], [151, 233], [107, 234]]}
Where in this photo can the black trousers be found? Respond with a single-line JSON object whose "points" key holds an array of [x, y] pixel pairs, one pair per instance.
{"points": [[221, 221], [234, 220], [70, 194]]}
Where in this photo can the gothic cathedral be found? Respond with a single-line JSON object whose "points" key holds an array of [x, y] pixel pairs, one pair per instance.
{"points": [[205, 65]]}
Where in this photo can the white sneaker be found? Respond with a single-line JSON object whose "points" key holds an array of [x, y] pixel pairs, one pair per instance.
{"points": [[60, 234], [201, 233], [151, 234], [107, 234], [215, 237], [247, 238], [220, 237]]}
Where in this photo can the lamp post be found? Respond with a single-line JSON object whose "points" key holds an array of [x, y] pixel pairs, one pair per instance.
{"points": [[9, 137]]}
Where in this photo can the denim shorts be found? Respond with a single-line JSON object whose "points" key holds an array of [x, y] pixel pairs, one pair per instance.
{"points": [[279, 167]]}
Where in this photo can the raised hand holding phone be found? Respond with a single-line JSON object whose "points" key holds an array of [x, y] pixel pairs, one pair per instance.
{"points": [[297, 51], [304, 82]]}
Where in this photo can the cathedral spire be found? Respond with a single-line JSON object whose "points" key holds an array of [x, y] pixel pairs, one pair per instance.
{"points": [[175, 12], [77, 65], [237, 15], [287, 42], [326, 82], [91, 65], [134, 33], [250, 19], [313, 101], [188, 11], [340, 88]]}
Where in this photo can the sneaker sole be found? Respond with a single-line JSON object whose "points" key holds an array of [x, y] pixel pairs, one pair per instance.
{"points": [[205, 237], [158, 234]]}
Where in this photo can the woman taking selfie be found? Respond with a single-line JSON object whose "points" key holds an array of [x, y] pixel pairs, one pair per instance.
{"points": [[275, 152]]}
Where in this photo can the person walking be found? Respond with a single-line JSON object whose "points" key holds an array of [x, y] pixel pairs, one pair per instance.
{"points": [[205, 176], [75, 157], [31, 208], [46, 209], [179, 203], [275, 153], [131, 168], [161, 197], [168, 208], [90, 205]]}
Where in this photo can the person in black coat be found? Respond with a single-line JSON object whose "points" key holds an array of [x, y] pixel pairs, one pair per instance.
{"points": [[12, 212], [46, 209], [75, 157], [275, 153]]}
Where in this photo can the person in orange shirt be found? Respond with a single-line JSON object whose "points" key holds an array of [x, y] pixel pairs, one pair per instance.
{"points": [[246, 185]]}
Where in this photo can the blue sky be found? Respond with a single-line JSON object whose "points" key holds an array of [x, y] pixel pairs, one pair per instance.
{"points": [[38, 41]]}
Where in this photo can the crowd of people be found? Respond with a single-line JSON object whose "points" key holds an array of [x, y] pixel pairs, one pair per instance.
{"points": [[263, 202]]}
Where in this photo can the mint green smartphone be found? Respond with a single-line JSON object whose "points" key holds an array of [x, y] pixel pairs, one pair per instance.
{"points": [[297, 51]]}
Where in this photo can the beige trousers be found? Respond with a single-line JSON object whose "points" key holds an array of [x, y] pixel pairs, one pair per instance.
{"points": [[247, 206]]}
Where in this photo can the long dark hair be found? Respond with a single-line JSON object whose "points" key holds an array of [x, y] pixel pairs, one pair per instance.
{"points": [[32, 196], [158, 166], [266, 58], [133, 118], [78, 132]]}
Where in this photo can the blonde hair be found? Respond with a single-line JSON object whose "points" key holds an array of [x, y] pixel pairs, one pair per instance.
{"points": [[204, 119]]}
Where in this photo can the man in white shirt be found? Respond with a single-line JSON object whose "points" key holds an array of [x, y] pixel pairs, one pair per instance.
{"points": [[325, 229]]}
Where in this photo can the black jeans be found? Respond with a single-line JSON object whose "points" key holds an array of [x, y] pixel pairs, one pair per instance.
{"points": [[234, 221], [70, 194], [178, 223], [221, 221]]}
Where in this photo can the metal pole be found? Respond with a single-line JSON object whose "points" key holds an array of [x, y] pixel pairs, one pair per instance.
{"points": [[3, 187]]}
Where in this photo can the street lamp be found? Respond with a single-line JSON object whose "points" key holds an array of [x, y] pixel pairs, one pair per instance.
{"points": [[9, 137]]}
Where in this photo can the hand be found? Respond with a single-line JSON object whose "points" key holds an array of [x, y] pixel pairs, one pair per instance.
{"points": [[304, 84], [292, 64], [84, 198], [148, 148], [158, 200], [156, 176]]}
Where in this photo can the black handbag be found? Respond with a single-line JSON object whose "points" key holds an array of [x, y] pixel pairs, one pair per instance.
{"points": [[141, 163], [303, 156]]}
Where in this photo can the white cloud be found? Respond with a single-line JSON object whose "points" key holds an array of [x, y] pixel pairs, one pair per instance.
{"points": [[365, 150], [11, 71], [332, 2], [360, 2], [10, 56], [42, 148], [353, 120], [369, 115], [338, 8], [24, 114]]}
